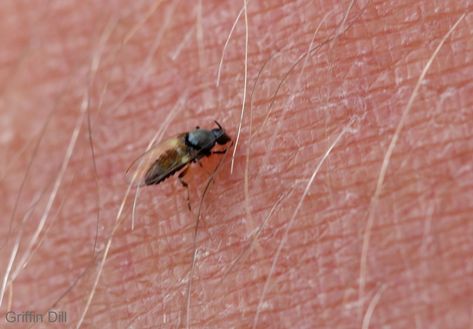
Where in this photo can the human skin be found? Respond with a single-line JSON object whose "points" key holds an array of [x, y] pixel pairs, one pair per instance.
{"points": [[307, 231]]}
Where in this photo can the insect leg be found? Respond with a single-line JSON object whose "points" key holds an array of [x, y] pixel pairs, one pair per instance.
{"points": [[184, 183]]}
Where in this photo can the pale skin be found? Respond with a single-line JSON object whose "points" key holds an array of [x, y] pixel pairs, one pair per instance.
{"points": [[350, 200]]}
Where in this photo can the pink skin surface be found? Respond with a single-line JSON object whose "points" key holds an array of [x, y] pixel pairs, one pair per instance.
{"points": [[320, 225]]}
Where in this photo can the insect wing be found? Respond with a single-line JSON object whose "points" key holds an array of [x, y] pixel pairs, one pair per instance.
{"points": [[139, 169]]}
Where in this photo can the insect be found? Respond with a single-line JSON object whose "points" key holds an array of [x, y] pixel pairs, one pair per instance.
{"points": [[176, 154]]}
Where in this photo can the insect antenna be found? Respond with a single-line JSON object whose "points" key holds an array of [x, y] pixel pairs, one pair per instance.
{"points": [[218, 124]]}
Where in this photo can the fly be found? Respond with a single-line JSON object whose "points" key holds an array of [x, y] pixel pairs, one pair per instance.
{"points": [[176, 155]]}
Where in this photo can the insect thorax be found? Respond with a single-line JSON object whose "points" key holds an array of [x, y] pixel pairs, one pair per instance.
{"points": [[200, 139]]}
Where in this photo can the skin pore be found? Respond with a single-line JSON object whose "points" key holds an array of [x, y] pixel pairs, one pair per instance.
{"points": [[350, 200]]}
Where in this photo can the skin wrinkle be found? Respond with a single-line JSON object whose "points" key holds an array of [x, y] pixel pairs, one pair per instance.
{"points": [[290, 223], [382, 173], [50, 201], [424, 208]]}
